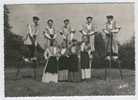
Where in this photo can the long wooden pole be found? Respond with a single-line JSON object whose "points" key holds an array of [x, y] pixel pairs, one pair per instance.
{"points": [[110, 61]]}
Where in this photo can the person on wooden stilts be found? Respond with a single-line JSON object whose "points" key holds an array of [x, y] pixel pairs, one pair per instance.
{"points": [[111, 31], [30, 39]]}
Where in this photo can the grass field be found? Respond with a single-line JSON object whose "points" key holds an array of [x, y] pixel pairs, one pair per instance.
{"points": [[27, 86]]}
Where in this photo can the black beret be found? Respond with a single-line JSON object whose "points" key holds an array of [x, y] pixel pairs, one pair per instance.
{"points": [[35, 17], [89, 17], [110, 16], [66, 20]]}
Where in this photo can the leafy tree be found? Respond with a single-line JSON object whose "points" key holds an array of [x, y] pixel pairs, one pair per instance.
{"points": [[127, 54], [11, 41]]}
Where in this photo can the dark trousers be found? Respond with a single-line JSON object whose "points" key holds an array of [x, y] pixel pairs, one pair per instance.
{"points": [[28, 51], [31, 50]]}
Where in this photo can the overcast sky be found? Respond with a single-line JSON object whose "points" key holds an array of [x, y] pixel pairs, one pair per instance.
{"points": [[20, 15]]}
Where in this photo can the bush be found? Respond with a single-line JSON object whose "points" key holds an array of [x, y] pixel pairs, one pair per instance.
{"points": [[127, 54]]}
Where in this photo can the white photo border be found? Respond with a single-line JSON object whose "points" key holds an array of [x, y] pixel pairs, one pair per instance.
{"points": [[2, 90]]}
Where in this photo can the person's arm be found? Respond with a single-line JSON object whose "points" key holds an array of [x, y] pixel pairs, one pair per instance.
{"points": [[105, 30], [62, 33], [82, 31], [57, 52], [46, 54], [55, 35], [36, 33], [30, 30], [93, 30], [45, 33], [91, 33], [47, 36], [116, 28], [90, 53]]}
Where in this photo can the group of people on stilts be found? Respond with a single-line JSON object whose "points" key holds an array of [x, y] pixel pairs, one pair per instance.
{"points": [[72, 59]]}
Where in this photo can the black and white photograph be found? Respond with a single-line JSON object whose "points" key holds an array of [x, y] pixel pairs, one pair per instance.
{"points": [[69, 49]]}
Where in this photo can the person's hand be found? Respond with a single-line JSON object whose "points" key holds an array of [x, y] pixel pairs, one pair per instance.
{"points": [[106, 31], [72, 31]]}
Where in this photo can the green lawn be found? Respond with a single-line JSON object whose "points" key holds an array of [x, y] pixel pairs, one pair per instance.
{"points": [[27, 86]]}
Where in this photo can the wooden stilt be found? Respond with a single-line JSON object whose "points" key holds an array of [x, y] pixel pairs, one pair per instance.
{"points": [[19, 66], [106, 65], [120, 69], [110, 61], [35, 64]]}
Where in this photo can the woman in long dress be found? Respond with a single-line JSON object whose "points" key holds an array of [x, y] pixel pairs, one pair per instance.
{"points": [[63, 63], [85, 59], [51, 67], [74, 74]]}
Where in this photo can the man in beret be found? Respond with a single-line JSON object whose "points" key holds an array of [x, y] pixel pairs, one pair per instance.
{"points": [[111, 30]]}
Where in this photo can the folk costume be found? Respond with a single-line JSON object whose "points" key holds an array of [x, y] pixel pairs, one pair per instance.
{"points": [[63, 63], [85, 60], [50, 35], [89, 30], [74, 74], [111, 30], [51, 67], [67, 34]]}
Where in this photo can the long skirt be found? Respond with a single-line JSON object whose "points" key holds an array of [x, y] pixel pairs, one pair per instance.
{"points": [[86, 73], [63, 68], [52, 65], [74, 74], [50, 70], [49, 77], [85, 68], [84, 60]]}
